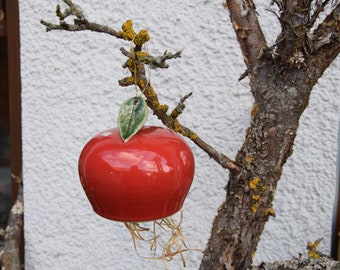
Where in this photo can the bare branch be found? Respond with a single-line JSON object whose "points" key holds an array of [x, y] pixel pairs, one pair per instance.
{"points": [[243, 75], [170, 120], [153, 61], [10, 256], [180, 106], [80, 22], [249, 33], [74, 10], [294, 19], [330, 26], [81, 27], [278, 3], [325, 43], [319, 8]]}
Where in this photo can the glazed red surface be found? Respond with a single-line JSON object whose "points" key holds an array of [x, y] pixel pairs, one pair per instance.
{"points": [[144, 179]]}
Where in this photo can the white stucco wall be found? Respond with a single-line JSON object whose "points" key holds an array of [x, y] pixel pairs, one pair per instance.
{"points": [[70, 93]]}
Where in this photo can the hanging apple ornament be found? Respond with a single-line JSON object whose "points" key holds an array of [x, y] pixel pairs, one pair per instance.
{"points": [[136, 173]]}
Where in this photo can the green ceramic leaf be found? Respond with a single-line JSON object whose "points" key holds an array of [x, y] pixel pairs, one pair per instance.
{"points": [[132, 115]]}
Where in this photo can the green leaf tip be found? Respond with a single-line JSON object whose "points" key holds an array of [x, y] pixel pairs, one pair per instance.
{"points": [[132, 116]]}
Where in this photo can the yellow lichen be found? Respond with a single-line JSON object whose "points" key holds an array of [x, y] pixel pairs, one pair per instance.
{"points": [[193, 136], [177, 127], [249, 159], [313, 250], [254, 109], [269, 211], [254, 208], [141, 54], [235, 25], [174, 114], [141, 85], [130, 80], [164, 108], [243, 33], [142, 37], [254, 182], [127, 26], [128, 32], [256, 197], [132, 65], [150, 94]]}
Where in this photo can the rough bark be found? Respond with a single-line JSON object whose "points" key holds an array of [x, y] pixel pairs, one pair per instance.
{"points": [[281, 80], [10, 255], [300, 263]]}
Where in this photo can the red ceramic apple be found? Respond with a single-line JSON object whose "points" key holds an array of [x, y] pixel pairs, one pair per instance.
{"points": [[143, 179]]}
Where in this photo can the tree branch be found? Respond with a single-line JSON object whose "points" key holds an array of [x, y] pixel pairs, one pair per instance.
{"points": [[294, 19], [80, 22], [153, 61], [180, 106], [328, 31], [170, 120], [81, 27], [248, 31], [10, 256], [318, 9], [325, 44], [136, 60], [297, 20]]}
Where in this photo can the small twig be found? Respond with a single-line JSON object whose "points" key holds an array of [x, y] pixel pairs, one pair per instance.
{"points": [[94, 27], [80, 23], [153, 61], [279, 4], [243, 75], [180, 106], [74, 10], [325, 33], [315, 16]]}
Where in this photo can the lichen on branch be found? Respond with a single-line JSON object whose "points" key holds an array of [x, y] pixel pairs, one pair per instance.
{"points": [[137, 59], [153, 61]]}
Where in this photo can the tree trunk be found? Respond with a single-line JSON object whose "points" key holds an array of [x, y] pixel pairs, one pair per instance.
{"points": [[269, 140], [281, 81]]}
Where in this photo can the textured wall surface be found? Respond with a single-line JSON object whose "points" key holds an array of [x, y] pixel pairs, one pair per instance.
{"points": [[70, 93]]}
